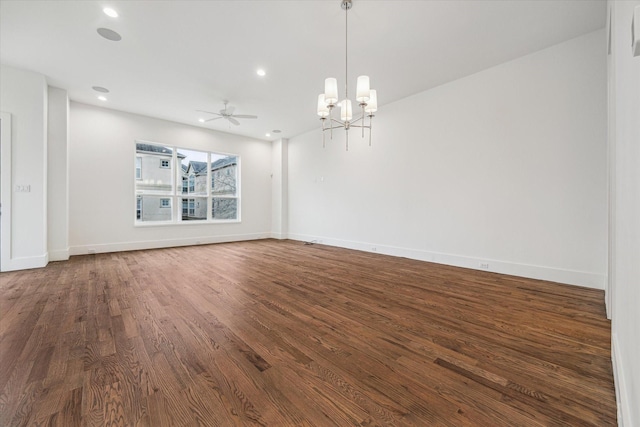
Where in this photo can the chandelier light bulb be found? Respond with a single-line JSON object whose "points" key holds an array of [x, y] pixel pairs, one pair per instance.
{"points": [[323, 109], [331, 90], [346, 114], [362, 89], [372, 104]]}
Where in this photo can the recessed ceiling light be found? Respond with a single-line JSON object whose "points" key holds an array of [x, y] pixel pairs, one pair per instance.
{"points": [[267, 134], [110, 12], [109, 34], [276, 131], [102, 98], [100, 89], [201, 120], [261, 72]]}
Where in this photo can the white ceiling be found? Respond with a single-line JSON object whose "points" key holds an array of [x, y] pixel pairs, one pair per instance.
{"points": [[176, 57]]}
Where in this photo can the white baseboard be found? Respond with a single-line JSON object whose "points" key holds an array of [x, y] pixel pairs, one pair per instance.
{"points": [[61, 255], [279, 236], [168, 243], [25, 263], [571, 277], [622, 398]]}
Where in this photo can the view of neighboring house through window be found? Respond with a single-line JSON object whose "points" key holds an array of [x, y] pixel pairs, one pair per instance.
{"points": [[194, 171], [138, 167], [204, 186], [155, 183], [224, 192]]}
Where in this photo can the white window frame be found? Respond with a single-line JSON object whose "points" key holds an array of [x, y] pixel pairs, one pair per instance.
{"points": [[163, 200], [162, 163], [176, 192]]}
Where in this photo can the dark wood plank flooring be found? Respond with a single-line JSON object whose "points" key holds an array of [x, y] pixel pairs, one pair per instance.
{"points": [[278, 333]]}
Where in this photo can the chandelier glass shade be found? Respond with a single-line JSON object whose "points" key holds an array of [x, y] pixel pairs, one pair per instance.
{"points": [[366, 98]]}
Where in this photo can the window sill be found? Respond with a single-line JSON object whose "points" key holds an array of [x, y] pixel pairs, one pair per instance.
{"points": [[194, 222]]}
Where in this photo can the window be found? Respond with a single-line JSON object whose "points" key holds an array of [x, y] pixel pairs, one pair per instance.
{"points": [[190, 185], [224, 187], [138, 167]]}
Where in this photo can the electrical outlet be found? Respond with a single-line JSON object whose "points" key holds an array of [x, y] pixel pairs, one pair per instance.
{"points": [[374, 249], [91, 251], [484, 265]]}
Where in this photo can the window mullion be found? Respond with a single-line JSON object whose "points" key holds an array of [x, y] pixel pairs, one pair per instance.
{"points": [[174, 184], [209, 192]]}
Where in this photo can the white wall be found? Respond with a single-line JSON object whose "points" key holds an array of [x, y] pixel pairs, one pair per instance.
{"points": [[23, 94], [624, 158], [279, 188], [506, 166], [58, 175], [101, 187]]}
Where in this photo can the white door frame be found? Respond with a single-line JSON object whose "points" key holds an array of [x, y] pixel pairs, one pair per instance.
{"points": [[5, 190]]}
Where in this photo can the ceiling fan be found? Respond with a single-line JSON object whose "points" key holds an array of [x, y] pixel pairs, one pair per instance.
{"points": [[227, 113]]}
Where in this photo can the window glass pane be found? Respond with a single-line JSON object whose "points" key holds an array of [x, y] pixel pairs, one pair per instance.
{"points": [[138, 167], [193, 170], [224, 172], [154, 179], [194, 208], [151, 208], [224, 208]]}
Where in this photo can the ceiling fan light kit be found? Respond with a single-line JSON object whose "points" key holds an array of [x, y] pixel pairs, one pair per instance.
{"points": [[365, 96], [227, 113]]}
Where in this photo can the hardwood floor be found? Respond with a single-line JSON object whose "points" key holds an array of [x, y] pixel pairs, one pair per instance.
{"points": [[278, 333]]}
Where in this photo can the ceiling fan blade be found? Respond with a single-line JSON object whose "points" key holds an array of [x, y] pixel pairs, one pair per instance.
{"points": [[234, 121], [244, 116], [208, 112], [215, 118]]}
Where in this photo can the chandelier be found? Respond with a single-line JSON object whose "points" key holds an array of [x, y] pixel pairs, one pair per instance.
{"points": [[365, 96]]}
